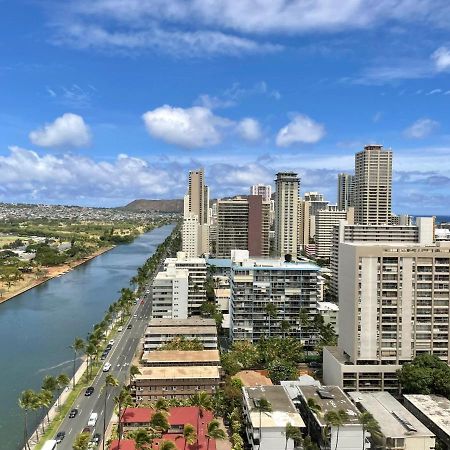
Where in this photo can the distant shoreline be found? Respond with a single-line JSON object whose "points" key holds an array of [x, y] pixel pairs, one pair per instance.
{"points": [[54, 272]]}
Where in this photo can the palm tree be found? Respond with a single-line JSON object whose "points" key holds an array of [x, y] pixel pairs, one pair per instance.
{"points": [[109, 381], [315, 409], [122, 400], [162, 404], [336, 419], [159, 421], [167, 445], [272, 312], [50, 384], [293, 433], [189, 434], [203, 401], [77, 347], [370, 424], [285, 327], [35, 405], [26, 400], [82, 441], [214, 432], [63, 381], [134, 370], [45, 399], [262, 405], [91, 352], [142, 439]]}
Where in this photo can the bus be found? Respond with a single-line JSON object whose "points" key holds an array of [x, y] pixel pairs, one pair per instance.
{"points": [[49, 445]]}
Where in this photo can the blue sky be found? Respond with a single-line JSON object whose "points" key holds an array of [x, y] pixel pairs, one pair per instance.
{"points": [[105, 101]]}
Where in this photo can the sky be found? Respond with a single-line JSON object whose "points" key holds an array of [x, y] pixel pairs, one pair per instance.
{"points": [[106, 101]]}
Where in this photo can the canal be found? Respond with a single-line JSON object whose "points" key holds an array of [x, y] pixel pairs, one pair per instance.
{"points": [[37, 327]]}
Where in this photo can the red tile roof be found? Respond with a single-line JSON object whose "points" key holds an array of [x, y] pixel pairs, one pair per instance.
{"points": [[137, 415], [125, 444]]}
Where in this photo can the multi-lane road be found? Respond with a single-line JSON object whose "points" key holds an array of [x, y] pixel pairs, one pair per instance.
{"points": [[119, 357]]}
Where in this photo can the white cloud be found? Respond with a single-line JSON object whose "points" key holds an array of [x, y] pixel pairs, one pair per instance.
{"points": [[434, 92], [421, 128], [69, 130], [194, 127], [441, 58], [301, 129], [249, 129]]}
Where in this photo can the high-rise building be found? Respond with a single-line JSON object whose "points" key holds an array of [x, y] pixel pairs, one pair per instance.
{"points": [[316, 202], [287, 186], [303, 224], [373, 185], [345, 191], [394, 306], [326, 219], [344, 231], [265, 190], [291, 287], [243, 223], [196, 207]]}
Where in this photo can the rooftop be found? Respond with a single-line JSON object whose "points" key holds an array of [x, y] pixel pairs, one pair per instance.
{"points": [[180, 330], [274, 264], [327, 306], [191, 321], [394, 419], [176, 372], [177, 415], [253, 378], [435, 407], [179, 355], [283, 410], [330, 398], [219, 262]]}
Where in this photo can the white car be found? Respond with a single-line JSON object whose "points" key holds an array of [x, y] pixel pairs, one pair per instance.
{"points": [[106, 367], [111, 342], [92, 419], [120, 329]]}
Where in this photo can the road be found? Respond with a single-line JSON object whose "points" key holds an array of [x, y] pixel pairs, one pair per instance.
{"points": [[119, 357]]}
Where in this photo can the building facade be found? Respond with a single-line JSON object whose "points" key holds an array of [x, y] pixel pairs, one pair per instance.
{"points": [[287, 185], [264, 190], [345, 191], [373, 186]]}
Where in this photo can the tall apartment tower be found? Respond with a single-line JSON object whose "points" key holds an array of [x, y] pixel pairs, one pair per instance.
{"points": [[345, 191], [262, 189], [373, 185], [287, 186], [243, 224], [196, 208]]}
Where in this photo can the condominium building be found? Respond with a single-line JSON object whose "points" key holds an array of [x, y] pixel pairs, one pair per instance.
{"points": [[162, 331], [291, 287], [196, 270], [394, 305], [316, 202], [373, 185], [303, 224], [267, 430], [264, 190], [326, 220], [399, 429], [345, 191], [243, 223], [287, 186], [344, 231], [196, 207], [170, 294]]}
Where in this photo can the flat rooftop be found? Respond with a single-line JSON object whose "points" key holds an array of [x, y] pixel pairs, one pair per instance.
{"points": [[183, 356], [330, 398], [274, 264], [178, 330], [435, 407], [191, 321], [283, 410], [178, 372], [394, 419]]}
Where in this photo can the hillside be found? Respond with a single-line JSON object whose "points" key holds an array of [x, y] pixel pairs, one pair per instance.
{"points": [[175, 205]]}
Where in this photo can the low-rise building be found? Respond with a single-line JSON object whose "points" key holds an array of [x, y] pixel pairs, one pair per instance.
{"points": [[162, 331], [330, 312], [349, 434], [399, 428], [266, 430], [434, 412], [166, 358]]}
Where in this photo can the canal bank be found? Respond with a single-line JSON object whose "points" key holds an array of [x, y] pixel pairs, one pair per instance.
{"points": [[37, 328]]}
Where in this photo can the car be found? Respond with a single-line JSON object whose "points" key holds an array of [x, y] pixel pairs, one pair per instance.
{"points": [[89, 391], [96, 438], [315, 365], [106, 367], [104, 356], [87, 430], [92, 419], [134, 315], [108, 348], [73, 413], [135, 302], [60, 436], [120, 329], [129, 326], [111, 342], [142, 302]]}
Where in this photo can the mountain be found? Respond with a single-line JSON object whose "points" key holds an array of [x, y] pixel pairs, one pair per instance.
{"points": [[175, 205]]}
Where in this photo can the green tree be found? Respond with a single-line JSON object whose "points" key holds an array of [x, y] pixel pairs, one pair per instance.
{"points": [[280, 370], [77, 347], [370, 424], [122, 400], [62, 381], [45, 400], [81, 441], [336, 419], [167, 445], [272, 313], [315, 408], [26, 401], [162, 404], [49, 383], [134, 370], [214, 432], [159, 422], [189, 434], [91, 353], [142, 439], [262, 405], [203, 401], [110, 381], [292, 433]]}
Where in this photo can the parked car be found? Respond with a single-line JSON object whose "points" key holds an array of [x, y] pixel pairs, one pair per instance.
{"points": [[120, 329], [73, 413], [89, 391], [106, 367], [60, 436], [111, 342], [129, 326]]}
